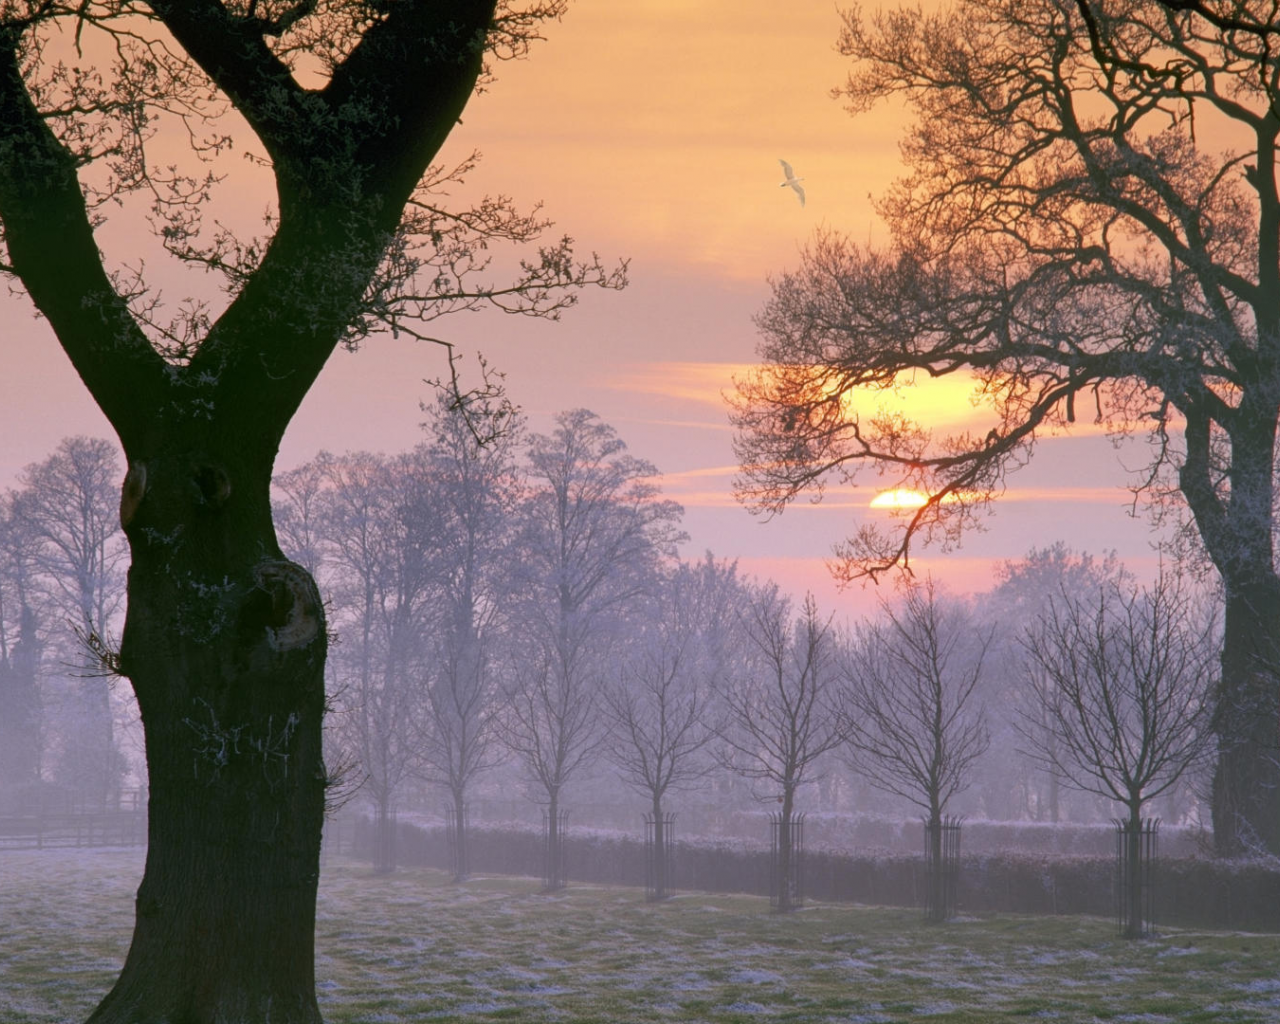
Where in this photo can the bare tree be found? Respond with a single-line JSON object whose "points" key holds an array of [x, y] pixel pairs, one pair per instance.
{"points": [[1024, 590], [780, 713], [593, 533], [378, 547], [68, 503], [1069, 239], [552, 724], [474, 482], [660, 710], [1124, 679], [21, 643], [909, 709], [297, 510], [126, 111]]}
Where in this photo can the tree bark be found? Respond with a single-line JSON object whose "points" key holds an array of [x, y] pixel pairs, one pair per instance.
{"points": [[1237, 533], [1054, 792], [461, 869], [224, 639], [1133, 870], [384, 857], [786, 894], [659, 850], [555, 869], [224, 643], [936, 880], [1246, 782]]}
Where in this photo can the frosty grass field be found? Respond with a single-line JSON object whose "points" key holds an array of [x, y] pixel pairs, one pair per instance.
{"points": [[414, 947]]}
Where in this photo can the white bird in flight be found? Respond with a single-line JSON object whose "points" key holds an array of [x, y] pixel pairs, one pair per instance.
{"points": [[791, 181]]}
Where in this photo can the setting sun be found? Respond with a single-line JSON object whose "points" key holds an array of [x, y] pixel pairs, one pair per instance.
{"points": [[899, 497]]}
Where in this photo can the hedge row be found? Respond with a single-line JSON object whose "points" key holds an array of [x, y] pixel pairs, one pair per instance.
{"points": [[1191, 892], [981, 835]]}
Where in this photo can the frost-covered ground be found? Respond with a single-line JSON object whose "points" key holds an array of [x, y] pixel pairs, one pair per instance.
{"points": [[415, 948]]}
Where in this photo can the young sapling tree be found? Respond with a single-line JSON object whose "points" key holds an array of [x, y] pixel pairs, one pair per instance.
{"points": [[1124, 679], [909, 706]]}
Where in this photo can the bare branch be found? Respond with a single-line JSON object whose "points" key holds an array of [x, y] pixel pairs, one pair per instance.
{"points": [[908, 696]]}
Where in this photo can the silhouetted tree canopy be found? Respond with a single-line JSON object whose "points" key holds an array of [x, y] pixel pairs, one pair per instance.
{"points": [[1088, 228], [119, 121]]}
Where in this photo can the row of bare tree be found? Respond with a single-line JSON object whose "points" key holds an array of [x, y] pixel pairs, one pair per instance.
{"points": [[1086, 226], [519, 602], [1116, 685], [1063, 233], [62, 559]]}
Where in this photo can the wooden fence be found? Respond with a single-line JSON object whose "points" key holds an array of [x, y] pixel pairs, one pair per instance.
{"points": [[61, 819]]}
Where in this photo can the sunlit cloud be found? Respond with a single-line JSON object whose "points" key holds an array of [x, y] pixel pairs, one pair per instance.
{"points": [[703, 499], [907, 498], [943, 405], [952, 404], [1057, 495], [695, 382], [658, 421], [690, 488], [936, 403], [727, 472]]}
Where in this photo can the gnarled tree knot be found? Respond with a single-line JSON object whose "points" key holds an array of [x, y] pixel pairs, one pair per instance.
{"points": [[132, 491], [294, 619], [213, 483]]}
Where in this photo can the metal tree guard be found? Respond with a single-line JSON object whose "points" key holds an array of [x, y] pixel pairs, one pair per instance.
{"points": [[786, 863], [1136, 852], [455, 824], [553, 832], [942, 869], [659, 834]]}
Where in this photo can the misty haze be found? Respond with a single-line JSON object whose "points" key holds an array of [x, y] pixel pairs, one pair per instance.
{"points": [[475, 546]]}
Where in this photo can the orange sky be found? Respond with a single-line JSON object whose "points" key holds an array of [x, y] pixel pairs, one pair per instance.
{"points": [[654, 128], [651, 130]]}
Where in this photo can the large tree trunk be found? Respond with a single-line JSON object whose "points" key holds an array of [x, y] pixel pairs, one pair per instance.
{"points": [[1246, 783], [1237, 533], [224, 643], [224, 639]]}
